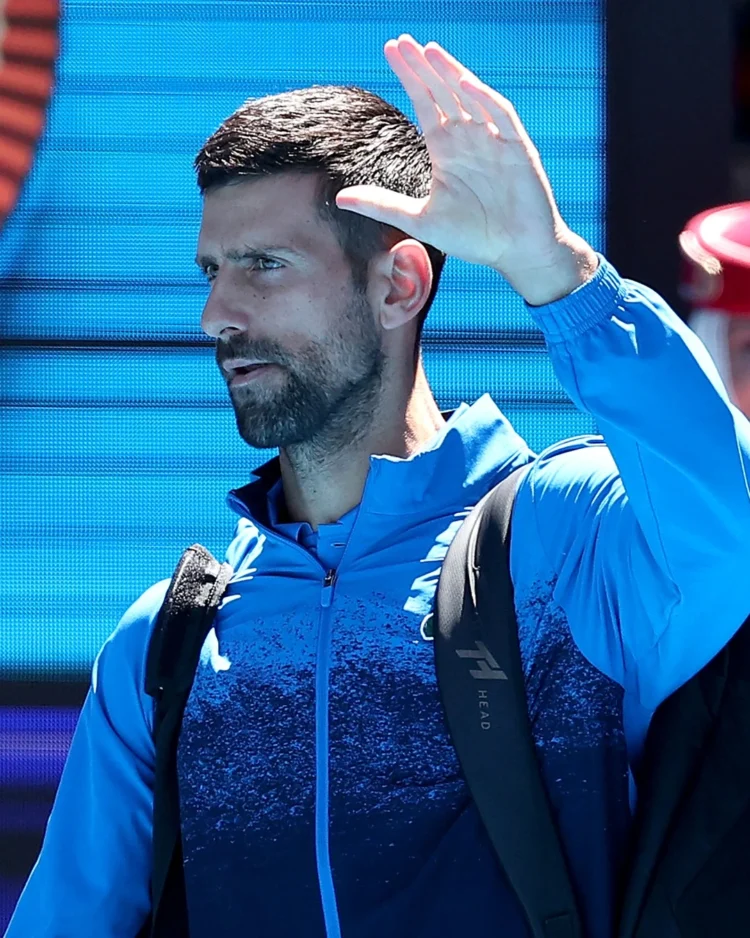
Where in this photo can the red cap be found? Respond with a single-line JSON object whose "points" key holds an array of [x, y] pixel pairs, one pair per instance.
{"points": [[716, 259]]}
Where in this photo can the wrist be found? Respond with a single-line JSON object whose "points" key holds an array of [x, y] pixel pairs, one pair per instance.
{"points": [[569, 265]]}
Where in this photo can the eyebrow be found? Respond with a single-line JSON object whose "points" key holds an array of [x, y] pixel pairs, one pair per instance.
{"points": [[260, 251]]}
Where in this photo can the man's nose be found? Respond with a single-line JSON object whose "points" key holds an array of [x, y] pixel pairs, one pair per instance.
{"points": [[223, 313]]}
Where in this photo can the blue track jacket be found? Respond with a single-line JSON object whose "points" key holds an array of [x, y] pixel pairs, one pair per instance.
{"points": [[320, 794]]}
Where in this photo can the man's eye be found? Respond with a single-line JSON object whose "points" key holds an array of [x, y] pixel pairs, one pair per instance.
{"points": [[258, 263], [269, 260]]}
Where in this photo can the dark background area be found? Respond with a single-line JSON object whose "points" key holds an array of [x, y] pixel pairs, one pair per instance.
{"points": [[678, 125]]}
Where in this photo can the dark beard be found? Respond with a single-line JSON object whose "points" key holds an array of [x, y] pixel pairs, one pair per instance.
{"points": [[325, 397]]}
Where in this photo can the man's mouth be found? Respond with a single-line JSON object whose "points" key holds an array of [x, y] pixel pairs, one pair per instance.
{"points": [[239, 374]]}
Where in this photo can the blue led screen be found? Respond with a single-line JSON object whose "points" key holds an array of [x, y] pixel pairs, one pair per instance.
{"points": [[118, 440]]}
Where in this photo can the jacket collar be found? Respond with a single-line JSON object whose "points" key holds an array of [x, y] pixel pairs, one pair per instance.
{"points": [[474, 450]]}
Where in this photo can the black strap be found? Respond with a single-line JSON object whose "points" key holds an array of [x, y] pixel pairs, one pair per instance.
{"points": [[184, 621], [482, 688]]}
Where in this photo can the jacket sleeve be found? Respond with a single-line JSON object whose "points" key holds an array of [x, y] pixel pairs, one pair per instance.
{"points": [[651, 535], [92, 874]]}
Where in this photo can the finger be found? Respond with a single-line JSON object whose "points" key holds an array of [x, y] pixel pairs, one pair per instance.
{"points": [[452, 71], [392, 208], [428, 114], [500, 109], [413, 54]]}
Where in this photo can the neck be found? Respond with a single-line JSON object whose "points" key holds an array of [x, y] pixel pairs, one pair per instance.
{"points": [[322, 482]]}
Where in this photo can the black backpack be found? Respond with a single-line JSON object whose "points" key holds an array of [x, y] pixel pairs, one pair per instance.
{"points": [[689, 872]]}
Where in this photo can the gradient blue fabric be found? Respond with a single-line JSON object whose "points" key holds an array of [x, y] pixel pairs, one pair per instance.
{"points": [[320, 793]]}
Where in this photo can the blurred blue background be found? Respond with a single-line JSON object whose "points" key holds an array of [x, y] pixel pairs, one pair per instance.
{"points": [[118, 440]]}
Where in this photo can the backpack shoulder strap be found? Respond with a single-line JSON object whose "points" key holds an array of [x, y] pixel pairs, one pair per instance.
{"points": [[195, 593], [482, 687], [184, 621]]}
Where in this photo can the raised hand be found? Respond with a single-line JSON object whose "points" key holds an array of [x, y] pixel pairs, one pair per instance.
{"points": [[490, 200]]}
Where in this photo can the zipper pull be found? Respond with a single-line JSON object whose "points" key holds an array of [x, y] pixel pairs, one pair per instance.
{"points": [[328, 584]]}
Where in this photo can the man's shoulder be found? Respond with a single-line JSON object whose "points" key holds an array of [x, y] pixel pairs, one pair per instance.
{"points": [[138, 620], [570, 489], [570, 467], [121, 663]]}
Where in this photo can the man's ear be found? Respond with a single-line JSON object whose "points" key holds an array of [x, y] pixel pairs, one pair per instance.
{"points": [[402, 281]]}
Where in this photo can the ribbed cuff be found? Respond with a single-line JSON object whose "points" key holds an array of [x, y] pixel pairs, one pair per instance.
{"points": [[587, 306]]}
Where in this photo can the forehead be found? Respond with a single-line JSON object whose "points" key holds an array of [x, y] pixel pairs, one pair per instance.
{"points": [[274, 210]]}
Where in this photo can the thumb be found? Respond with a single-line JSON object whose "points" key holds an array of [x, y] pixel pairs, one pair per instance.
{"points": [[392, 208]]}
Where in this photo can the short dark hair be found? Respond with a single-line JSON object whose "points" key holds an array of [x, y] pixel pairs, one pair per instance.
{"points": [[345, 134]]}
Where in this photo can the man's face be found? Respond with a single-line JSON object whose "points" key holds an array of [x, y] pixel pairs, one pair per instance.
{"points": [[282, 293], [739, 359]]}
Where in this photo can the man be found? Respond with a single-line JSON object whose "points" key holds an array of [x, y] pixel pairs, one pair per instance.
{"points": [[716, 252], [319, 791]]}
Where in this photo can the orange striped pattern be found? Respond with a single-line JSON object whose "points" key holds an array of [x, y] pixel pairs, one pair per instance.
{"points": [[28, 49]]}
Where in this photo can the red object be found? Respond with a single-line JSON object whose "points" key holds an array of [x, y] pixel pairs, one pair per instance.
{"points": [[28, 49], [716, 259]]}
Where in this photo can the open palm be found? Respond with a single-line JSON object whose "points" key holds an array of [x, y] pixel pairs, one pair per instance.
{"points": [[490, 201]]}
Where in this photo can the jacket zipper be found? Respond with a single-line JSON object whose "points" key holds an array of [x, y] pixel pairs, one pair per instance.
{"points": [[322, 670], [322, 854]]}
